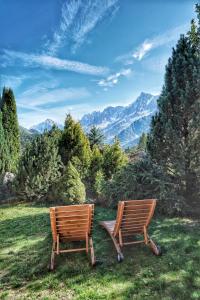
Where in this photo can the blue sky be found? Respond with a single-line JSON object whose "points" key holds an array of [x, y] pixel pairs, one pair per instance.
{"points": [[77, 56]]}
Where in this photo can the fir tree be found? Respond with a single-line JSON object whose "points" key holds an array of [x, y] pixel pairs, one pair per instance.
{"points": [[39, 167], [113, 159], [95, 137], [142, 142], [11, 129], [74, 146], [173, 142], [70, 187]]}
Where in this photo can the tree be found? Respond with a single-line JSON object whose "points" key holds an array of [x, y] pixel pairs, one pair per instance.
{"points": [[94, 168], [113, 159], [95, 137], [74, 146], [39, 168], [70, 187], [3, 149], [11, 129], [174, 139], [142, 142]]}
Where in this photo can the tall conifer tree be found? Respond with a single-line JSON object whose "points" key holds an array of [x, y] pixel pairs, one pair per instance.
{"points": [[174, 138], [11, 128]]}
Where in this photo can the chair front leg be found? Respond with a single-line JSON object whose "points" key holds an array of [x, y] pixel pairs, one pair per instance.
{"points": [[93, 258]]}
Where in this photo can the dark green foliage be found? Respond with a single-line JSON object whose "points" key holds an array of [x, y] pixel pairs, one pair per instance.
{"points": [[142, 142], [39, 168], [3, 149], [138, 180], [95, 137], [94, 168], [11, 129], [74, 146], [174, 139], [113, 159], [70, 188]]}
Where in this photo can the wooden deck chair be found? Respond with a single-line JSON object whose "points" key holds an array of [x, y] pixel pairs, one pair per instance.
{"points": [[133, 218], [72, 223]]}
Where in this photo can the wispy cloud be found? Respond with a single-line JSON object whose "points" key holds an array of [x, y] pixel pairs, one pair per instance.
{"points": [[11, 81], [50, 62], [147, 45], [78, 19], [34, 98], [113, 79]]}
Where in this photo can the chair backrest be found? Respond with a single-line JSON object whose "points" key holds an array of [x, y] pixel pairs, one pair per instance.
{"points": [[72, 222], [133, 215]]}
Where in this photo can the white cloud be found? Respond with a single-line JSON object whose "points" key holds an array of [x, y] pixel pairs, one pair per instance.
{"points": [[78, 19], [113, 79], [33, 98], [146, 46], [11, 81], [50, 62], [142, 50]]}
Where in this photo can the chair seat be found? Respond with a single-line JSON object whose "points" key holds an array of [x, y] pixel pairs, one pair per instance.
{"points": [[109, 225]]}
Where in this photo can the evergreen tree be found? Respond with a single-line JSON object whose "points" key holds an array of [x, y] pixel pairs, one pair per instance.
{"points": [[142, 142], [174, 139], [95, 167], [3, 149], [39, 167], [11, 128], [70, 187], [113, 159], [95, 137], [74, 146]]}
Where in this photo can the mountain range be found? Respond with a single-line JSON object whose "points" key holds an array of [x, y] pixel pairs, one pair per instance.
{"points": [[127, 123]]}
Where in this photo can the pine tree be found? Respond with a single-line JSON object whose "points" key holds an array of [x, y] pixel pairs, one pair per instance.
{"points": [[70, 187], [174, 139], [74, 146], [113, 159], [39, 168], [11, 128], [95, 137]]}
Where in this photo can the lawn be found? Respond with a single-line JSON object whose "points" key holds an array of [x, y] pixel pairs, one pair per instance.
{"points": [[25, 246]]}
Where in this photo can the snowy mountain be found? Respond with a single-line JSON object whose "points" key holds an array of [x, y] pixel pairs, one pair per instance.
{"points": [[125, 122], [45, 126]]}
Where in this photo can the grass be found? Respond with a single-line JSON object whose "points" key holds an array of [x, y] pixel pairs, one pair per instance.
{"points": [[25, 246]]}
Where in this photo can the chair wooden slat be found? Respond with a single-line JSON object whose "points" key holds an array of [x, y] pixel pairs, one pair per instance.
{"points": [[72, 223], [133, 217]]}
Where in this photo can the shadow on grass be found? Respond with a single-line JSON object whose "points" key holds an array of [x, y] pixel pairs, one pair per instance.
{"points": [[25, 245]]}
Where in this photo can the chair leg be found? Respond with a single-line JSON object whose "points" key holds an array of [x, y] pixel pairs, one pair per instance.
{"points": [[93, 258], [154, 248], [52, 257], [120, 255]]}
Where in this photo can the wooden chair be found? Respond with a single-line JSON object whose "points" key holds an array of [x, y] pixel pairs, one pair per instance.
{"points": [[72, 223], [133, 218]]}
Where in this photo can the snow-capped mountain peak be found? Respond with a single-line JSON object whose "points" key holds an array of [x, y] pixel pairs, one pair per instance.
{"points": [[45, 126]]}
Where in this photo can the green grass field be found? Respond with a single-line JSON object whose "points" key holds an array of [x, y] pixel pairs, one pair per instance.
{"points": [[25, 246]]}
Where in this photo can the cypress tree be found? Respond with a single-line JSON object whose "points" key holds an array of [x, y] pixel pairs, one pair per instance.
{"points": [[3, 148], [74, 146], [174, 139], [11, 129], [95, 167]]}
